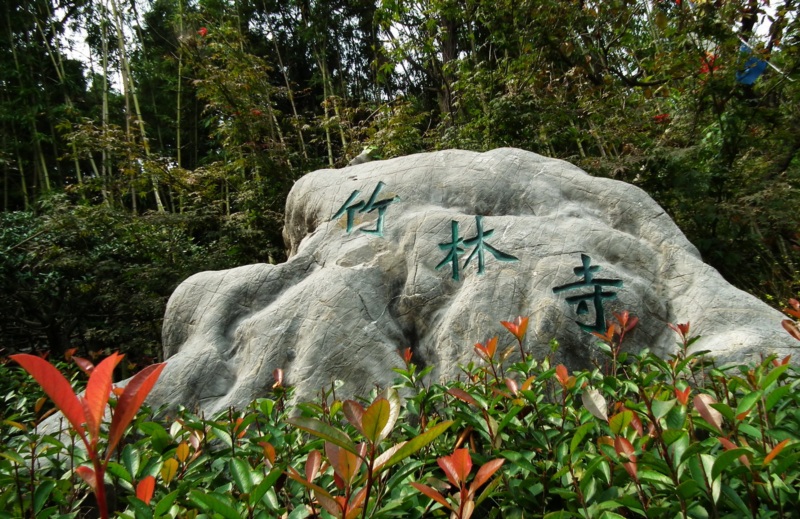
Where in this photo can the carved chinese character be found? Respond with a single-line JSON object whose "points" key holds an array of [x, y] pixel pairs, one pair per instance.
{"points": [[596, 296], [366, 207], [455, 248]]}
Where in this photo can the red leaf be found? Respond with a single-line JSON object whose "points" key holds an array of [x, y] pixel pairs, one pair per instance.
{"points": [[624, 447], [88, 475], [791, 327], [683, 396], [484, 473], [56, 387], [463, 396], [456, 466], [702, 403], [774, 452], [85, 365], [277, 374], [680, 329], [269, 453], [487, 350], [129, 403], [728, 445], [97, 391], [512, 386], [313, 462], [145, 489], [345, 463], [433, 494], [562, 374], [518, 327], [783, 362], [354, 412]]}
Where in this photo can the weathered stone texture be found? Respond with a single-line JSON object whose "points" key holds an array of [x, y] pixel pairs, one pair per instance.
{"points": [[345, 303]]}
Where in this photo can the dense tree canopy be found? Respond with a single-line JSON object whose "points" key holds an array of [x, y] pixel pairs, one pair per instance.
{"points": [[193, 118]]}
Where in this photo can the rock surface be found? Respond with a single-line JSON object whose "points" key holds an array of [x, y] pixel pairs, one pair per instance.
{"points": [[431, 251]]}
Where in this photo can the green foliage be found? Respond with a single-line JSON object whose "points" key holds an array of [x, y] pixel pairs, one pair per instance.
{"points": [[637, 435], [96, 279]]}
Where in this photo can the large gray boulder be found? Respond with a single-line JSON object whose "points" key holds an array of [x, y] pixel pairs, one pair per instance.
{"points": [[430, 252]]}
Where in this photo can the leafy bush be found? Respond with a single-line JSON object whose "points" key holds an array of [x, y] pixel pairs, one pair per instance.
{"points": [[636, 436]]}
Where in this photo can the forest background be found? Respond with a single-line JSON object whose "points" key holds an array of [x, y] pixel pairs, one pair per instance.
{"points": [[144, 140]]}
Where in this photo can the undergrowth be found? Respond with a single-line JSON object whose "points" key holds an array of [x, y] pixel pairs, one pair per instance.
{"points": [[639, 436]]}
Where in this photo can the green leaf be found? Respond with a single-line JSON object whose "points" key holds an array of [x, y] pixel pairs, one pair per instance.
{"points": [[41, 494], [773, 375], [131, 459], [748, 401], [141, 509], [561, 514], [676, 418], [750, 431], [266, 484], [324, 431], [652, 475], [733, 496], [222, 435], [578, 436], [416, 444], [375, 419], [115, 469], [214, 502], [662, 407], [165, 503], [514, 411], [776, 395], [726, 459], [689, 489], [620, 421], [242, 475]]}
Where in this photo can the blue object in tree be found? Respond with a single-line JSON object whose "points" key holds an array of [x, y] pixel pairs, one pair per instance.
{"points": [[753, 68]]}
